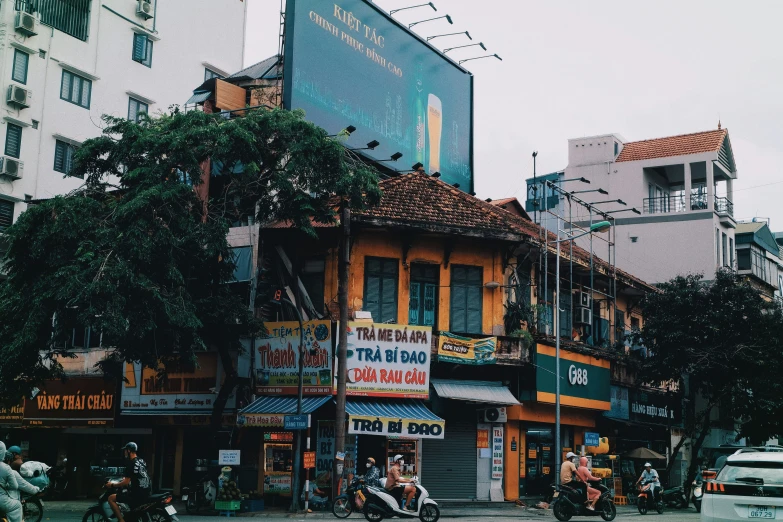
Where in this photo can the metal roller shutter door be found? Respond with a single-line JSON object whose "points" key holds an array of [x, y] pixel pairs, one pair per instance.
{"points": [[449, 465]]}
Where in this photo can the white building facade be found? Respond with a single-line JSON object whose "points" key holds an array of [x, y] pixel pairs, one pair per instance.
{"points": [[66, 63]]}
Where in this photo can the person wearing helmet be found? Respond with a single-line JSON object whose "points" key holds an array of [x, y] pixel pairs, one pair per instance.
{"points": [[135, 478], [568, 474], [373, 475], [394, 479], [650, 480], [9, 490], [14, 457]]}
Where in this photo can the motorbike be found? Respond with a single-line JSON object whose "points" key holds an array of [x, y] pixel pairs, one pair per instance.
{"points": [[382, 504], [32, 508], [157, 508], [352, 500], [201, 496], [675, 497], [58, 480], [568, 501], [697, 492], [644, 503]]}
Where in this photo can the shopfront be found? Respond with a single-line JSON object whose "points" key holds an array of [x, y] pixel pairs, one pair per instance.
{"points": [[75, 419], [585, 393], [176, 410]]}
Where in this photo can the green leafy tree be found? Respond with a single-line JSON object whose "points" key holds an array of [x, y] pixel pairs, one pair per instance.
{"points": [[721, 342], [140, 256]]}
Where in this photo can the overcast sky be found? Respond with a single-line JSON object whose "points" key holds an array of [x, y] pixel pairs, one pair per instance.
{"points": [[580, 68]]}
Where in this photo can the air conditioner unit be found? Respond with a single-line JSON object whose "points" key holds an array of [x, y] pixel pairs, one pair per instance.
{"points": [[25, 24], [18, 96], [494, 415], [11, 167], [583, 299], [144, 9], [583, 315]]}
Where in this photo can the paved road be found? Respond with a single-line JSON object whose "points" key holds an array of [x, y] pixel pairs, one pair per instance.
{"points": [[73, 511]]}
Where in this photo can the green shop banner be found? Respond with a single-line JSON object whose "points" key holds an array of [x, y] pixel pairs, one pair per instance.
{"points": [[464, 350], [584, 380]]}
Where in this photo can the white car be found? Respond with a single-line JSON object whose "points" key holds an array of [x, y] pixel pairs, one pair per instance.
{"points": [[749, 487]]}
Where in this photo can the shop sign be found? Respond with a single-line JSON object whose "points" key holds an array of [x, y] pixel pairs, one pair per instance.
{"points": [[277, 359], [619, 403], [408, 428], [12, 416], [264, 420], [296, 422], [463, 350], [497, 453], [325, 454], [388, 360], [75, 402], [584, 379], [147, 391], [592, 438], [228, 457], [309, 460], [482, 438], [279, 437], [277, 484], [654, 408]]}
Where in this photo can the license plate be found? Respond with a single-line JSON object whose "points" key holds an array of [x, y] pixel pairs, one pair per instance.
{"points": [[184, 498], [556, 494], [761, 511], [170, 510]]}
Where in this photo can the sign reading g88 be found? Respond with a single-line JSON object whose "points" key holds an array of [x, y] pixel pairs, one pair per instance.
{"points": [[577, 376]]}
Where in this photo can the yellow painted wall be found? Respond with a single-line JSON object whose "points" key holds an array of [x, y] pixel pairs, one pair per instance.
{"points": [[511, 468], [423, 249]]}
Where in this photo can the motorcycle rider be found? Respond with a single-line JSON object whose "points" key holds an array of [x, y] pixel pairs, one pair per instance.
{"points": [[651, 480], [393, 480], [135, 478], [373, 475], [9, 490], [585, 476]]}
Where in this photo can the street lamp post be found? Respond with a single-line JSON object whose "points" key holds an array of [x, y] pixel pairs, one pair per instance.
{"points": [[597, 227]]}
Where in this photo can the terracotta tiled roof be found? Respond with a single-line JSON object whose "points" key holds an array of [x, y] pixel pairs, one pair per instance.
{"points": [[698, 142], [511, 205]]}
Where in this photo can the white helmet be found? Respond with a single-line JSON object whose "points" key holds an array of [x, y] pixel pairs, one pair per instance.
{"points": [[570, 455], [647, 465], [397, 457]]}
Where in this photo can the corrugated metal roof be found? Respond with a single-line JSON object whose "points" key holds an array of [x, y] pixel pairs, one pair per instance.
{"points": [[284, 405], [485, 392], [258, 70], [198, 97], [414, 410]]}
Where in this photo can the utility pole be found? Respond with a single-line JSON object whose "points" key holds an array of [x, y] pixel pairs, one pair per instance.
{"points": [[343, 270], [296, 480]]}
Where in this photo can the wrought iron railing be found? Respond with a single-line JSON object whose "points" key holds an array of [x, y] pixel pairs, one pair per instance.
{"points": [[660, 205], [69, 16], [724, 206]]}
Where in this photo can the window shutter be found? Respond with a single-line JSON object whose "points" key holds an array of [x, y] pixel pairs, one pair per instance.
{"points": [[6, 214], [21, 60], [84, 101], [389, 299], [65, 91], [148, 57], [69, 151], [13, 140], [59, 157], [430, 291], [139, 47], [133, 110], [415, 304], [372, 291]]}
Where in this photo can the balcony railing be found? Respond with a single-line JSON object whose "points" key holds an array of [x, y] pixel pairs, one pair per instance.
{"points": [[724, 206]]}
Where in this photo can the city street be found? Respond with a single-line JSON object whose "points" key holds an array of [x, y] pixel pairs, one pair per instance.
{"points": [[73, 511]]}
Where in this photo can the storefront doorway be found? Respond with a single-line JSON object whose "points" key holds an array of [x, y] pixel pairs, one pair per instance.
{"points": [[540, 461]]}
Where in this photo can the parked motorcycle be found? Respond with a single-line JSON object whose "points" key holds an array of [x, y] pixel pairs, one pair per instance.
{"points": [[675, 497], [570, 501], [352, 500], [158, 508], [697, 492], [58, 480], [382, 504], [645, 501], [201, 496]]}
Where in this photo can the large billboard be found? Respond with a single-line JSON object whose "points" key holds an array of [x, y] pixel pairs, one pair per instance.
{"points": [[349, 63]]}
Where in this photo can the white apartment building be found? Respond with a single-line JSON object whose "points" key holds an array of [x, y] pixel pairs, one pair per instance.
{"points": [[680, 190], [65, 63]]}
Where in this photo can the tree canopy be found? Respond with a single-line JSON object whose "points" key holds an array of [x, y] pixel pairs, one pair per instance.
{"points": [[720, 340], [139, 254]]}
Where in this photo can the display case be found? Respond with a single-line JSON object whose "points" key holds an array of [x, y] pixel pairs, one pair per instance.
{"points": [[278, 464], [408, 448]]}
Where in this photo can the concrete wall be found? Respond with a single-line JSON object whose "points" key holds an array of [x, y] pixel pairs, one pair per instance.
{"points": [[187, 34]]}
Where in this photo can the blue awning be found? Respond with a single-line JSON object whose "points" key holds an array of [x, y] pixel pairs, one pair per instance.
{"points": [[413, 410], [283, 405]]}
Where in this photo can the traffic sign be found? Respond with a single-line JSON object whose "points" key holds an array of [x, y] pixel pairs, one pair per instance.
{"points": [[295, 422], [592, 439]]}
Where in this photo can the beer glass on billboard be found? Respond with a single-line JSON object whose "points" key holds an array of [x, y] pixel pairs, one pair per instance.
{"points": [[434, 125]]}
